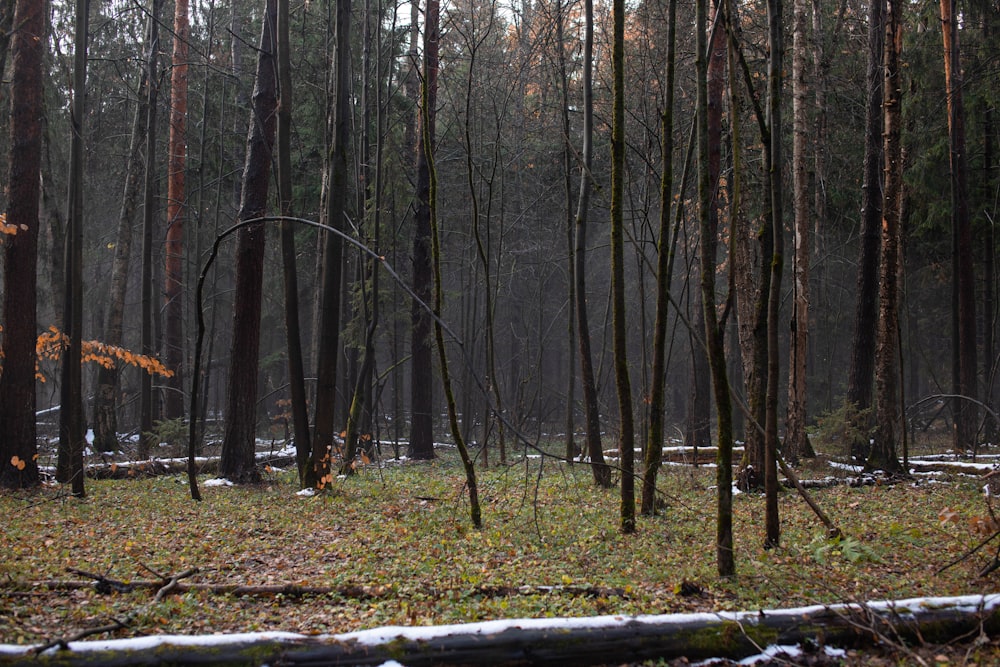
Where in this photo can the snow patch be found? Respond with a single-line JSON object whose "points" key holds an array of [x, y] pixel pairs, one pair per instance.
{"points": [[218, 481]]}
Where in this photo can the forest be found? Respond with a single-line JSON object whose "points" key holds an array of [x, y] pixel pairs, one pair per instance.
{"points": [[591, 231]]}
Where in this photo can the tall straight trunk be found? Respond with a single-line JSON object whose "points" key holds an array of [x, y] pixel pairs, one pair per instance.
{"points": [[105, 413], [626, 436], [964, 277], [862, 368], [238, 462], [18, 464], [173, 276], [572, 449], [329, 332], [71, 416], [421, 368], [601, 471], [883, 453], [796, 440], [293, 335], [664, 267], [725, 560], [148, 217], [774, 166]]}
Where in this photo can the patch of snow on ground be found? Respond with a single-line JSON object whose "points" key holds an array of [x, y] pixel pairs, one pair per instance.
{"points": [[218, 481]]}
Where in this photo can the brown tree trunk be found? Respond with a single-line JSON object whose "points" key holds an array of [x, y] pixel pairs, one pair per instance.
{"points": [[966, 412], [237, 463], [883, 455], [173, 278], [18, 464], [421, 368]]}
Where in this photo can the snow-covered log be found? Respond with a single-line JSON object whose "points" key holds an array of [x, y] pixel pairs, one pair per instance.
{"points": [[576, 641]]}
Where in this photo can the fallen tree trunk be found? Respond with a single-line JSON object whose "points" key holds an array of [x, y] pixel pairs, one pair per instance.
{"points": [[583, 641]]}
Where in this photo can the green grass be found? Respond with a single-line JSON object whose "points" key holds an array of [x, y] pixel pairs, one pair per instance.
{"points": [[403, 533]]}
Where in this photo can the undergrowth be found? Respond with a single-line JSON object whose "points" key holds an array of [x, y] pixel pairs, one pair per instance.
{"points": [[400, 535]]}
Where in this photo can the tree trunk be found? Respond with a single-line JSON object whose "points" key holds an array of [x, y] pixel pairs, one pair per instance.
{"points": [[72, 438], [293, 336], [337, 194], [603, 640], [626, 436], [796, 442], [173, 277], [421, 368], [18, 464], [664, 268], [713, 334], [601, 471], [883, 454], [240, 437], [774, 163], [148, 218], [862, 368], [966, 413]]}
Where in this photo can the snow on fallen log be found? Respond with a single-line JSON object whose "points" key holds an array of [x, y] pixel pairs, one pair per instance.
{"points": [[578, 641]]}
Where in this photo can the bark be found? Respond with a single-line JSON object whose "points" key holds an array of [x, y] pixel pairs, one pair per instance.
{"points": [[69, 466], [293, 336], [173, 276], [626, 436], [337, 195], [17, 381], [862, 367], [796, 442], [421, 369], [774, 164], [240, 435], [595, 451], [725, 560], [664, 268], [605, 640], [966, 413], [148, 215], [883, 453]]}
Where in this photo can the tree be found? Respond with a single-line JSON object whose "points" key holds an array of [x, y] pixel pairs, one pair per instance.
{"points": [[664, 269], [239, 441], [601, 471], [626, 437], [71, 418], [337, 196], [796, 440], [725, 559], [964, 305], [173, 283], [296, 374], [862, 367], [18, 451], [421, 369], [883, 451]]}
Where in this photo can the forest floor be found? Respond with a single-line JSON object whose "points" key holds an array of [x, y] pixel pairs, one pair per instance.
{"points": [[393, 545]]}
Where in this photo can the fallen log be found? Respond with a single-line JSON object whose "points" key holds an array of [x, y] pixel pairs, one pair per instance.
{"points": [[580, 641]]}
